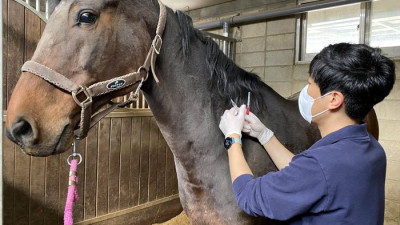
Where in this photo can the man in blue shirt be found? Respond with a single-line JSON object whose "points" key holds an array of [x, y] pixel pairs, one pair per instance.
{"points": [[341, 178]]}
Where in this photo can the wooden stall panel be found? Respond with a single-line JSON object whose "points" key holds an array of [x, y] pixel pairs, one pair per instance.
{"points": [[5, 47], [134, 152], [91, 173], [15, 45], [114, 165], [8, 180], [127, 163], [102, 167], [126, 136]]}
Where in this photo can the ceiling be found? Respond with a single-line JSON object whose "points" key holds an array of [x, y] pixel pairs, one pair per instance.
{"points": [[186, 5]]}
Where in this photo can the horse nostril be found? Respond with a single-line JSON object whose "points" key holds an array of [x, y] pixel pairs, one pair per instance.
{"points": [[22, 131]]}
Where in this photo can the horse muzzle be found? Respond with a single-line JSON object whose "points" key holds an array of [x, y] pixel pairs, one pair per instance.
{"points": [[24, 132]]}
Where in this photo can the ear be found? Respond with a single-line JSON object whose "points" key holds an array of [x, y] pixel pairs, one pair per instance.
{"points": [[336, 100]]}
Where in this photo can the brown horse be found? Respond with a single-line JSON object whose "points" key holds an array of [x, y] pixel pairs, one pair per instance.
{"points": [[90, 41]]}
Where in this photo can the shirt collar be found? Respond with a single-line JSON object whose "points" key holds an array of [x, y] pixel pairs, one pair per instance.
{"points": [[350, 131]]}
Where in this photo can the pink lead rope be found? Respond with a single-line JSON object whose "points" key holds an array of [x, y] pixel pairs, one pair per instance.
{"points": [[72, 195]]}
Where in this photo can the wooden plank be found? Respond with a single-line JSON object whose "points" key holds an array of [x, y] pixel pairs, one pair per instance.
{"points": [[4, 53], [170, 175], [32, 33], [135, 162], [102, 167], [91, 173], [37, 191], [21, 187], [37, 175], [149, 213], [52, 190], [114, 165], [79, 205], [144, 161], [161, 155], [8, 180], [126, 132], [153, 164], [42, 26], [15, 47]]}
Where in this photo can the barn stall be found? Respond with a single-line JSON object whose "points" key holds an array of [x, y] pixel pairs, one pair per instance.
{"points": [[35, 189], [128, 173]]}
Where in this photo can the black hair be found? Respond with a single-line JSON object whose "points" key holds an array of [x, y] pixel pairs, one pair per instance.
{"points": [[227, 80], [361, 73]]}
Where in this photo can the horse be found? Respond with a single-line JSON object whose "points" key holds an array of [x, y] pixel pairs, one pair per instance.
{"points": [[92, 41]]}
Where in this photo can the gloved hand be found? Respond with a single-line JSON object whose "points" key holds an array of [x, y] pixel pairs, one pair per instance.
{"points": [[232, 121], [255, 128]]}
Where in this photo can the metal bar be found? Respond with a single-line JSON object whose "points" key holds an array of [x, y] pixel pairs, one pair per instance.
{"points": [[365, 21], [38, 5], [47, 10], [218, 37], [225, 43], [26, 5], [233, 51], [278, 13]]}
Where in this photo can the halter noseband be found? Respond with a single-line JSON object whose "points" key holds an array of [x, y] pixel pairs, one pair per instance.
{"points": [[101, 88]]}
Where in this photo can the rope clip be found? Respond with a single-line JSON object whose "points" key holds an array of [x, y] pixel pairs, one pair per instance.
{"points": [[74, 153]]}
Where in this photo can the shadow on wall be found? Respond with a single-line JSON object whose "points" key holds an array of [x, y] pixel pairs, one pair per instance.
{"points": [[20, 209]]}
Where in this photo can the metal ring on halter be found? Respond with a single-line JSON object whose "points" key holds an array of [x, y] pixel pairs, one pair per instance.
{"points": [[143, 69], [74, 155]]}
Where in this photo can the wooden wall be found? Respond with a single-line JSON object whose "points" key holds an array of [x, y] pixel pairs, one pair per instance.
{"points": [[127, 168]]}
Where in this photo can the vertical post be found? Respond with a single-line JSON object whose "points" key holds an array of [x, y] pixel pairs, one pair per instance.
{"points": [[37, 5], [225, 33], [47, 10], [1, 115]]}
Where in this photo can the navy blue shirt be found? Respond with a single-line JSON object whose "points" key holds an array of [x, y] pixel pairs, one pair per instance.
{"points": [[338, 180]]}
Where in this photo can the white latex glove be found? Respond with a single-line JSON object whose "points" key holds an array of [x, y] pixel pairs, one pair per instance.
{"points": [[232, 121], [255, 128]]}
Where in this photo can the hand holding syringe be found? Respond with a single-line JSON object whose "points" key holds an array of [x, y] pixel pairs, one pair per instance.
{"points": [[247, 106]]}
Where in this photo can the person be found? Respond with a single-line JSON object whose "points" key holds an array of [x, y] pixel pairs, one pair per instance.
{"points": [[340, 179]]}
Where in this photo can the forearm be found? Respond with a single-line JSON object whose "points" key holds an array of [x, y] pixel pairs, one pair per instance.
{"points": [[237, 163], [279, 154]]}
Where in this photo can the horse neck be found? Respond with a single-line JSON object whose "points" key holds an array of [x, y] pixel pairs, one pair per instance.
{"points": [[183, 104], [181, 94]]}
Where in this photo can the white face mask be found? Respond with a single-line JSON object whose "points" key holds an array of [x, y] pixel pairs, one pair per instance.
{"points": [[306, 102]]}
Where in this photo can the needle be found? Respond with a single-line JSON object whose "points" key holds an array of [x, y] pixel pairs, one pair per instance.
{"points": [[236, 107], [248, 104]]}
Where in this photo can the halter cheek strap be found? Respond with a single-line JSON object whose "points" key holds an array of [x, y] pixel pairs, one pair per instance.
{"points": [[105, 87]]}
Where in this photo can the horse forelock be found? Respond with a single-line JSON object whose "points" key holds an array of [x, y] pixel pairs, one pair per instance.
{"points": [[227, 80]]}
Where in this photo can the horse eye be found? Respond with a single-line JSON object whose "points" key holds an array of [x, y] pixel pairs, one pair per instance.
{"points": [[87, 18]]}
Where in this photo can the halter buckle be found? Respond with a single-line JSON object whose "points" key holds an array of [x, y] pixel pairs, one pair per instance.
{"points": [[157, 43], [85, 91]]}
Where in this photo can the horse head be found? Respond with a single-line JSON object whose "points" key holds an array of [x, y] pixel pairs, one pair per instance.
{"points": [[85, 41]]}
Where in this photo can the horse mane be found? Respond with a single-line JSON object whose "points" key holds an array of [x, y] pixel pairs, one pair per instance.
{"points": [[227, 81]]}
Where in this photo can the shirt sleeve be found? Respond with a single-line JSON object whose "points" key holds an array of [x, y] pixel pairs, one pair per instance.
{"points": [[299, 188]]}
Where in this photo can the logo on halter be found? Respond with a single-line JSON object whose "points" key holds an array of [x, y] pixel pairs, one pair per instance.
{"points": [[116, 84]]}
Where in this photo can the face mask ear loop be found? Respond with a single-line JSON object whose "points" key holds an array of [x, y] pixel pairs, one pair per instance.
{"points": [[320, 113], [323, 95], [324, 111]]}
